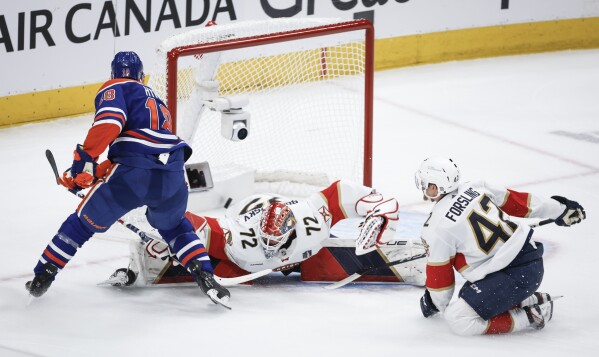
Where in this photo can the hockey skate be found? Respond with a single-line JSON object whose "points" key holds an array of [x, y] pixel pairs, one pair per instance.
{"points": [[538, 299], [40, 283], [121, 277], [217, 293], [539, 315]]}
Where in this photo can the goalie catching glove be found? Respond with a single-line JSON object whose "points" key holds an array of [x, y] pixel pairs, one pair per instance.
{"points": [[380, 223], [574, 213], [84, 172]]}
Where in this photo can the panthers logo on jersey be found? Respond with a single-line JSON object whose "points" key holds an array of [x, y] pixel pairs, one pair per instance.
{"points": [[228, 236], [326, 215], [425, 245]]}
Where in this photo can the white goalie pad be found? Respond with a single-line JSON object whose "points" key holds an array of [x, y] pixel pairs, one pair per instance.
{"points": [[413, 272], [149, 261]]}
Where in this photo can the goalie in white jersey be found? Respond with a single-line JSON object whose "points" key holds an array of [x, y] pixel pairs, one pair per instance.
{"points": [[469, 230], [266, 231]]}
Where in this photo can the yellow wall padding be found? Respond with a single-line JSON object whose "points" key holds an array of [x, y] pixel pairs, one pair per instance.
{"points": [[36, 106], [491, 41]]}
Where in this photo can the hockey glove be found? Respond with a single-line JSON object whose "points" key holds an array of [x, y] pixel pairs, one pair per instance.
{"points": [[379, 225], [83, 168], [84, 172], [68, 181], [427, 306], [574, 213]]}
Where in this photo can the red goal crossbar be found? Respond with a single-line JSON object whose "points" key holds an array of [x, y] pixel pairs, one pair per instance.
{"points": [[198, 49]]}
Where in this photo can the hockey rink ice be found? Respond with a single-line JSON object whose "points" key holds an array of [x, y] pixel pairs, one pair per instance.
{"points": [[530, 123]]}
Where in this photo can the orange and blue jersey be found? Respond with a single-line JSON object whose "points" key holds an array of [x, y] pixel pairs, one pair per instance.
{"points": [[136, 124]]}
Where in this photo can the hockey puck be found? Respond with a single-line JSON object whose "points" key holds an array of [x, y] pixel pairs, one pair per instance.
{"points": [[228, 202]]}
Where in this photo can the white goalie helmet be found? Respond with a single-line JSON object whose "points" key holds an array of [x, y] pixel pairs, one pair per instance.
{"points": [[440, 171]]}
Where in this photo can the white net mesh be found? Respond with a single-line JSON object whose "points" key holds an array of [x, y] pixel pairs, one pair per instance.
{"points": [[306, 100]]}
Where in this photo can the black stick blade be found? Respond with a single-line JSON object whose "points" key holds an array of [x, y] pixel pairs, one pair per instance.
{"points": [[52, 162]]}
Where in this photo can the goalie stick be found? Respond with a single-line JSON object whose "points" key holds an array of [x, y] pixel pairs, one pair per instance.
{"points": [[227, 282], [363, 271], [146, 237]]}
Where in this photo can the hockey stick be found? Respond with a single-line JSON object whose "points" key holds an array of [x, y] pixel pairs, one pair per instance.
{"points": [[226, 282], [52, 162], [143, 235], [542, 223], [363, 271], [146, 237]]}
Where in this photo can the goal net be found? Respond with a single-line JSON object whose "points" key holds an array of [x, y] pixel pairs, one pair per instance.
{"points": [[309, 88]]}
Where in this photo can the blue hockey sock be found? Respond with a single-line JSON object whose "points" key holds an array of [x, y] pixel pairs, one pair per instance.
{"points": [[186, 245], [63, 246]]}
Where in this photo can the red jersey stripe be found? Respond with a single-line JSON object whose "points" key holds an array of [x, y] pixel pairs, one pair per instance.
{"points": [[216, 240], [332, 195], [198, 222], [439, 277], [516, 204], [459, 262]]}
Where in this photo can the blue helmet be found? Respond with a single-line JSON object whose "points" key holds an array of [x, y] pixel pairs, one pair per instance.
{"points": [[127, 65]]}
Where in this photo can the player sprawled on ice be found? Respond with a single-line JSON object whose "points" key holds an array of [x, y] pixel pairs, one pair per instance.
{"points": [[270, 232], [470, 230], [145, 168]]}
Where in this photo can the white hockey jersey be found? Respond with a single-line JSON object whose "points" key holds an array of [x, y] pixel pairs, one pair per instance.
{"points": [[236, 237], [470, 230]]}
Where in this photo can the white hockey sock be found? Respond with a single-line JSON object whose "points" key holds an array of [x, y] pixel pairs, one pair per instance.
{"points": [[520, 319]]}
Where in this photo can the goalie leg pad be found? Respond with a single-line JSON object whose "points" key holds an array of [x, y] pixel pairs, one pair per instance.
{"points": [[413, 272]]}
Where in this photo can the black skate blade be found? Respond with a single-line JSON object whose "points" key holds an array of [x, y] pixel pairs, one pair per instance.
{"points": [[224, 302]]}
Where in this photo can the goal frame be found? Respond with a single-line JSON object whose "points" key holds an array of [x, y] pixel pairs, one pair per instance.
{"points": [[231, 44]]}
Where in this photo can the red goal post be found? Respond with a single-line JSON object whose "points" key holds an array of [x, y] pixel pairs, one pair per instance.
{"points": [[198, 50]]}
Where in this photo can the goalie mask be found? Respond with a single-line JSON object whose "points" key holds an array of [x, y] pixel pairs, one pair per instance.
{"points": [[127, 65], [276, 225], [440, 171]]}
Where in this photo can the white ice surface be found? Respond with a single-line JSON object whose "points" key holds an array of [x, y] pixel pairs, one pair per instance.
{"points": [[495, 117]]}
